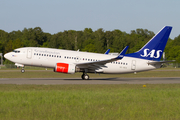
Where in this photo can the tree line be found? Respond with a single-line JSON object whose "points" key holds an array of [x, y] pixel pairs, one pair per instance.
{"points": [[86, 40]]}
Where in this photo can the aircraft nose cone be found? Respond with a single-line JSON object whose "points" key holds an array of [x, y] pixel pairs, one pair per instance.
{"points": [[7, 55]]}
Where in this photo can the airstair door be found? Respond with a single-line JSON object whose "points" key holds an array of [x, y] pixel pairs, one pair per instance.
{"points": [[133, 65], [29, 53]]}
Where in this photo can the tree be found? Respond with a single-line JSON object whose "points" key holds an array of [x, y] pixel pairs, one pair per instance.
{"points": [[100, 41], [16, 44], [38, 36], [9, 46]]}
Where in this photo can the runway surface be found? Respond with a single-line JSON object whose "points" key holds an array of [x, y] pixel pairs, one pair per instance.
{"points": [[49, 81]]}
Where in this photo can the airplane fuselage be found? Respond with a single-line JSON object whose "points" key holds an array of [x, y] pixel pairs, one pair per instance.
{"points": [[48, 57]]}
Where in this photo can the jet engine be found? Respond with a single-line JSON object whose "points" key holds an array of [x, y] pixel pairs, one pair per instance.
{"points": [[65, 68]]}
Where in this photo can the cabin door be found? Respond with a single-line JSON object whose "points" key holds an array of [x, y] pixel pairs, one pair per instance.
{"points": [[29, 53], [133, 65]]}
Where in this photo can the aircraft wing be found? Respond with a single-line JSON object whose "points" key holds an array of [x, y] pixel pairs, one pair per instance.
{"points": [[101, 63]]}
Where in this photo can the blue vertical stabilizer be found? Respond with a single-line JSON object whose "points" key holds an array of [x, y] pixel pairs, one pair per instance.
{"points": [[153, 50]]}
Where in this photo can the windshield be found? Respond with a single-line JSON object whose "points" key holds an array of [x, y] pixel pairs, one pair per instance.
{"points": [[16, 51]]}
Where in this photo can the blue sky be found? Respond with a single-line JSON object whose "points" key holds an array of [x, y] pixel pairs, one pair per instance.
{"points": [[59, 15]]}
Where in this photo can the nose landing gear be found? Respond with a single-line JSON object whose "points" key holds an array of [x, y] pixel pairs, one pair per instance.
{"points": [[22, 70]]}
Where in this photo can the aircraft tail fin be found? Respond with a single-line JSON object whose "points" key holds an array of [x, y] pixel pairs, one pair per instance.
{"points": [[153, 50]]}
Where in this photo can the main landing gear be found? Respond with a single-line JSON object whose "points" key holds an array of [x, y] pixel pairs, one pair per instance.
{"points": [[85, 76]]}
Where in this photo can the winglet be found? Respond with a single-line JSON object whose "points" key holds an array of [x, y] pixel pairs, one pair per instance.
{"points": [[121, 55], [107, 52]]}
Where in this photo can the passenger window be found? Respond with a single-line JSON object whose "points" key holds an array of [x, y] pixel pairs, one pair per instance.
{"points": [[49, 55], [54, 55], [39, 54]]}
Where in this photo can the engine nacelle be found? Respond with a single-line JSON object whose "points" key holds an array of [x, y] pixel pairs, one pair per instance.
{"points": [[65, 68]]}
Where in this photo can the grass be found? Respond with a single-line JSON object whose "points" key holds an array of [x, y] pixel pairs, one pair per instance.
{"points": [[90, 102]]}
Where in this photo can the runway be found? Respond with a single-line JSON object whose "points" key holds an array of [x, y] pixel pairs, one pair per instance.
{"points": [[53, 81]]}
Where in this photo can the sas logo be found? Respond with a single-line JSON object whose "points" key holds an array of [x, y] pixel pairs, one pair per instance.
{"points": [[151, 53]]}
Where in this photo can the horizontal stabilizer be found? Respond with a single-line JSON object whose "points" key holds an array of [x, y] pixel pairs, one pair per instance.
{"points": [[156, 62]]}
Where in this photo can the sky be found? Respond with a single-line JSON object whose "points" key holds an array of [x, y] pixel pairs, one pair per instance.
{"points": [[55, 16]]}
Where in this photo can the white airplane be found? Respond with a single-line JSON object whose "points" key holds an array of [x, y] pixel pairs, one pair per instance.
{"points": [[68, 61]]}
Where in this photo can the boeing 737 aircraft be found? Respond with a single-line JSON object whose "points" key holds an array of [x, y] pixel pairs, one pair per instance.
{"points": [[68, 61]]}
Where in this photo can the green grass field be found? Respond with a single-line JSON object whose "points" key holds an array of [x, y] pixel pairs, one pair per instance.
{"points": [[90, 102]]}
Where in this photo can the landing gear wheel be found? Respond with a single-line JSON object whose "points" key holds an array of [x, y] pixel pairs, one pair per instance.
{"points": [[22, 70], [85, 77]]}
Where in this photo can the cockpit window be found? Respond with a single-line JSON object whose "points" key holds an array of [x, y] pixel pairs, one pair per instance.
{"points": [[16, 51]]}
